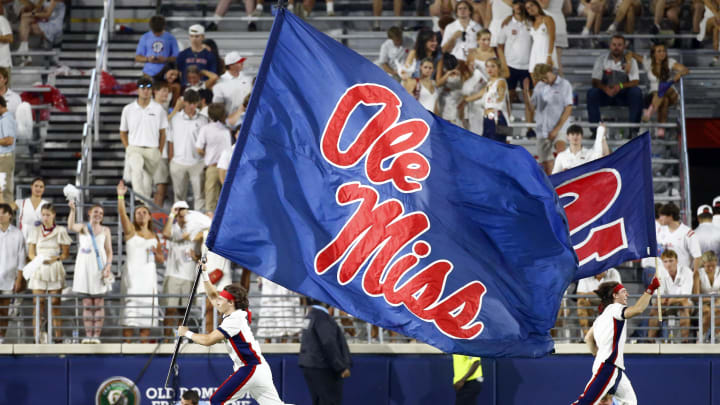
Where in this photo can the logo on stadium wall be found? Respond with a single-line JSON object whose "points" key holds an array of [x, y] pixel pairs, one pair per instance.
{"points": [[117, 391], [379, 230]]}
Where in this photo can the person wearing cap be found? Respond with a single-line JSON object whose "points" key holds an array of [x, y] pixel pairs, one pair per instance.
{"points": [[156, 47], [706, 233], [142, 132], [196, 54], [324, 355], [251, 372], [234, 85], [716, 211], [180, 265]]}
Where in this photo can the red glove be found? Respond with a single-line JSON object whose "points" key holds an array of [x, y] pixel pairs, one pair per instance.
{"points": [[215, 276], [654, 285]]}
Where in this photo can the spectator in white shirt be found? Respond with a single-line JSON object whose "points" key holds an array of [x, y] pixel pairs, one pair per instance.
{"points": [[6, 39], [12, 260], [180, 265], [11, 98], [706, 233], [716, 211], [224, 161], [678, 237], [615, 80], [552, 105], [142, 132], [707, 281], [233, 85], [186, 165], [587, 305], [212, 140], [575, 155], [161, 176], [675, 280], [394, 51], [461, 35], [513, 48]]}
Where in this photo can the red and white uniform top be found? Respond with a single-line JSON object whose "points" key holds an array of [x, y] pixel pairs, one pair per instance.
{"points": [[241, 344], [610, 334]]}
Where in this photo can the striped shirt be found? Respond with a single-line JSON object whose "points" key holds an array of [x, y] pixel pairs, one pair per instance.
{"points": [[240, 343]]}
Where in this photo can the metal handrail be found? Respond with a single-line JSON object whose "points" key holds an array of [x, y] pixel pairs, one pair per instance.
{"points": [[283, 320], [91, 129]]}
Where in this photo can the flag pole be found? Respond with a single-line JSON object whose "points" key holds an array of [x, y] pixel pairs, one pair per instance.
{"points": [[173, 367], [659, 298]]}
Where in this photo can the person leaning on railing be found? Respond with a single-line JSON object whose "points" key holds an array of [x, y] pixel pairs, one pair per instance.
{"points": [[678, 280], [707, 281]]}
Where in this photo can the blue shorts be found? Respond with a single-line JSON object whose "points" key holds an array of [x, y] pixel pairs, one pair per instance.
{"points": [[516, 77]]}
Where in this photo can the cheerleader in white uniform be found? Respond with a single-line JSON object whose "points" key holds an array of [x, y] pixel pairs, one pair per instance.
{"points": [[606, 340], [542, 31], [139, 275], [92, 266], [423, 88], [251, 372], [48, 246]]}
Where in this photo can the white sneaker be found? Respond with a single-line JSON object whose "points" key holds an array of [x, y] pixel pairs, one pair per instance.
{"points": [[585, 32], [86, 340], [611, 29], [95, 341]]}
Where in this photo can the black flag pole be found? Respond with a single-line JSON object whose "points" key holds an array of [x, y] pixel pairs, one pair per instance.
{"points": [[173, 366]]}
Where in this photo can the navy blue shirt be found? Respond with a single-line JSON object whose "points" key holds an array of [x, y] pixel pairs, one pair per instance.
{"points": [[204, 60]]}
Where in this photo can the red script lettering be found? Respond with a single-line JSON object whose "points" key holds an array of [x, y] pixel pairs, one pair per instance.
{"points": [[375, 234], [586, 206], [382, 138]]}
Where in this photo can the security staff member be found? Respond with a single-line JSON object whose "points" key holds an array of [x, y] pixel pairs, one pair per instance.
{"points": [[467, 379], [324, 355]]}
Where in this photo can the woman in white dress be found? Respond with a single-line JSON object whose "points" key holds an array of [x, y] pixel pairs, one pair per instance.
{"points": [[450, 83], [707, 281], [499, 11], [92, 265], [496, 102], [48, 246], [29, 209], [139, 275], [553, 8], [423, 88], [542, 31]]}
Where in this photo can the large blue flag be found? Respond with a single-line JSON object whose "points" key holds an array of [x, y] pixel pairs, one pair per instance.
{"points": [[610, 207], [343, 188]]}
